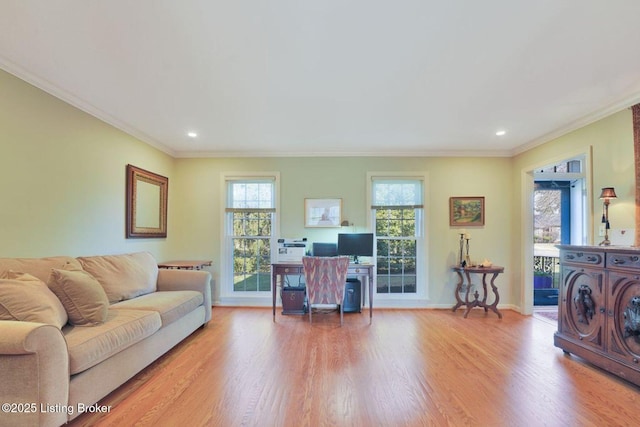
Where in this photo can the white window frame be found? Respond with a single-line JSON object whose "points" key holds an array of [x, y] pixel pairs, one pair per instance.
{"points": [[420, 297], [227, 295]]}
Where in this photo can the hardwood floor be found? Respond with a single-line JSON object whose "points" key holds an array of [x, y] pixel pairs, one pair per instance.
{"points": [[407, 368]]}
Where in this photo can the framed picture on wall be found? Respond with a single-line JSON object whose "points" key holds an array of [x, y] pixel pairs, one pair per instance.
{"points": [[466, 211], [322, 212]]}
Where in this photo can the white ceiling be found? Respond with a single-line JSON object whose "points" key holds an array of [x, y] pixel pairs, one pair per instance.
{"points": [[331, 77]]}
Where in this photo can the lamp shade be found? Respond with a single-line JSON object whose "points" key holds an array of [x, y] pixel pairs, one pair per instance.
{"points": [[608, 193]]}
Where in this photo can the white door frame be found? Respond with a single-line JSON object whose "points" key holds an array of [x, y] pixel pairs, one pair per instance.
{"points": [[526, 232]]}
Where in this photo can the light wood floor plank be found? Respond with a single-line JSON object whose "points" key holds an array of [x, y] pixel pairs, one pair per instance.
{"points": [[407, 368]]}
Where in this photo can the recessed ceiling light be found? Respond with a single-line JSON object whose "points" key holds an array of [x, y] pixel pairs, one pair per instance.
{"points": [[501, 132], [192, 134]]}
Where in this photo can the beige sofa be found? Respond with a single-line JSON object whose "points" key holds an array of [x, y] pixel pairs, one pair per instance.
{"points": [[81, 327]]}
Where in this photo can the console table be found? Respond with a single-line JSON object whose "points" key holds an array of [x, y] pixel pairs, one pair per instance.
{"points": [[465, 272], [365, 271], [184, 265]]}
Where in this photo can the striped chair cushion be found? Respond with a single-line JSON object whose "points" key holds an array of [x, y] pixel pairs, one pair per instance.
{"points": [[325, 277]]}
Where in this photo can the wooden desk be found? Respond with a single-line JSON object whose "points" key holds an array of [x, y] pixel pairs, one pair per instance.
{"points": [[465, 272], [185, 265], [364, 271]]}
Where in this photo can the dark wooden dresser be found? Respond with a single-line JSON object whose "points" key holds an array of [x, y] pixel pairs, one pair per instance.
{"points": [[599, 307]]}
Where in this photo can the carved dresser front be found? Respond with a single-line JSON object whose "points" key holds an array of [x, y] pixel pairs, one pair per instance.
{"points": [[599, 307]]}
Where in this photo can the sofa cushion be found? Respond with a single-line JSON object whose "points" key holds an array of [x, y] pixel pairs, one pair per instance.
{"points": [[123, 328], [171, 305], [38, 267], [26, 298], [123, 276], [81, 295]]}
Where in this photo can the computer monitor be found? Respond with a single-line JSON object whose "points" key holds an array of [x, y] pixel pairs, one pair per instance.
{"points": [[355, 245], [325, 249]]}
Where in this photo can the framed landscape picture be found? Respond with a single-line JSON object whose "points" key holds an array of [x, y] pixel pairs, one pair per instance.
{"points": [[466, 211]]}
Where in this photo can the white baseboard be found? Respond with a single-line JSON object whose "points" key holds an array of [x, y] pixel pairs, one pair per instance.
{"points": [[381, 303]]}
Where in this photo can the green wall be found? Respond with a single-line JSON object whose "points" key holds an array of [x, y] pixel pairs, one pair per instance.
{"points": [[198, 183], [609, 146], [611, 141], [62, 191], [62, 178]]}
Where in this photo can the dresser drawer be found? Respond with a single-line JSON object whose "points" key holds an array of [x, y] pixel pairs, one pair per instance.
{"points": [[623, 260], [582, 258]]}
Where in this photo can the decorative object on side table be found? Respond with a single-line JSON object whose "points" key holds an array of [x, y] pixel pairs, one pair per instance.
{"points": [[607, 194], [465, 259], [461, 261]]}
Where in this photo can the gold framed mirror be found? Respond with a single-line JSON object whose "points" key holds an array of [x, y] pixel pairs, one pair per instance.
{"points": [[146, 203]]}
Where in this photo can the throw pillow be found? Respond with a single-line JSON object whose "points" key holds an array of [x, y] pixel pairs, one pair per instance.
{"points": [[123, 276], [81, 295], [26, 298]]}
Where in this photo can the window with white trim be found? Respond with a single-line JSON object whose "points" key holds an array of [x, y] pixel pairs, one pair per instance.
{"points": [[250, 215], [397, 206]]}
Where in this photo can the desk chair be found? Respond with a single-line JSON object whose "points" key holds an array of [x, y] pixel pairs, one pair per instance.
{"points": [[325, 278]]}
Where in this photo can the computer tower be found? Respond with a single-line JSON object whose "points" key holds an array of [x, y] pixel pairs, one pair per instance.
{"points": [[352, 296], [293, 299]]}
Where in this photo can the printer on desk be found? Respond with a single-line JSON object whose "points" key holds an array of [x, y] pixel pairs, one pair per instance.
{"points": [[291, 250]]}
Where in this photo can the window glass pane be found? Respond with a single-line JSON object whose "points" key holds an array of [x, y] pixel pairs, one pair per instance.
{"points": [[251, 261], [252, 225], [409, 248], [397, 192], [395, 284], [265, 225], [395, 265], [382, 225], [382, 264], [238, 223], [408, 228], [395, 248], [382, 284], [250, 239], [251, 195], [397, 231], [409, 266], [409, 283]]}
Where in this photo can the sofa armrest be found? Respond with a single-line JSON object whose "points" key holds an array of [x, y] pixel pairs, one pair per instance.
{"points": [[34, 367], [187, 280]]}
